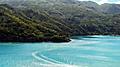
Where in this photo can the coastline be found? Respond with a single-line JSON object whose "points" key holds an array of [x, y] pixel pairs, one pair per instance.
{"points": [[43, 39]]}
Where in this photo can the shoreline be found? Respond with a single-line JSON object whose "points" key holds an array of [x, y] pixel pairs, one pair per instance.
{"points": [[39, 40]]}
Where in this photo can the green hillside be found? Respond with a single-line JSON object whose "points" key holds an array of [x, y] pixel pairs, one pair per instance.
{"points": [[56, 20], [17, 26]]}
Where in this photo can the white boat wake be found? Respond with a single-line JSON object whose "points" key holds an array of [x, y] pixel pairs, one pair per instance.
{"points": [[51, 62]]}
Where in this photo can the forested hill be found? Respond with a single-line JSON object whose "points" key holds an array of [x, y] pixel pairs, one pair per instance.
{"points": [[56, 20], [16, 26]]}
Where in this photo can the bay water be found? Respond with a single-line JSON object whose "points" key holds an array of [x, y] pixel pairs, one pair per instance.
{"points": [[82, 51]]}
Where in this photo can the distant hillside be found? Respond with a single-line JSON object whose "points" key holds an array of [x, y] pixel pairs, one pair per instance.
{"points": [[89, 5], [56, 20], [110, 8]]}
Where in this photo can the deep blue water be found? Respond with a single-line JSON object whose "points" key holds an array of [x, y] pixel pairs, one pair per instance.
{"points": [[82, 51]]}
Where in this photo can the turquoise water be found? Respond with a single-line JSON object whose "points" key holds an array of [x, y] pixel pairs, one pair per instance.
{"points": [[82, 51]]}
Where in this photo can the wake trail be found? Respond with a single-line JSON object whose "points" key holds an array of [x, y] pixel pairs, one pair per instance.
{"points": [[44, 58], [34, 54], [51, 62]]}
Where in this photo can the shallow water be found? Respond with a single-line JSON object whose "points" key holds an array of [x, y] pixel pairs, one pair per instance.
{"points": [[82, 51]]}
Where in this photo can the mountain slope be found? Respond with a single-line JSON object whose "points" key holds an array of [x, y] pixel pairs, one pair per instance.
{"points": [[15, 27], [110, 8], [55, 20]]}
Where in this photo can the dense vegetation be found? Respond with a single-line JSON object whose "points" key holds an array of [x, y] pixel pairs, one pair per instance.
{"points": [[15, 26], [56, 20]]}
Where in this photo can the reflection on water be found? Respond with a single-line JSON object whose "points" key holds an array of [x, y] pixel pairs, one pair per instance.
{"points": [[82, 51]]}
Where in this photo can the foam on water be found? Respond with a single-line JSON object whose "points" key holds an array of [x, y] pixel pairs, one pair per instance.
{"points": [[51, 63], [44, 58]]}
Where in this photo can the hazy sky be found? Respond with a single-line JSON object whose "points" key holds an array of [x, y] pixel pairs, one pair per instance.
{"points": [[104, 1]]}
